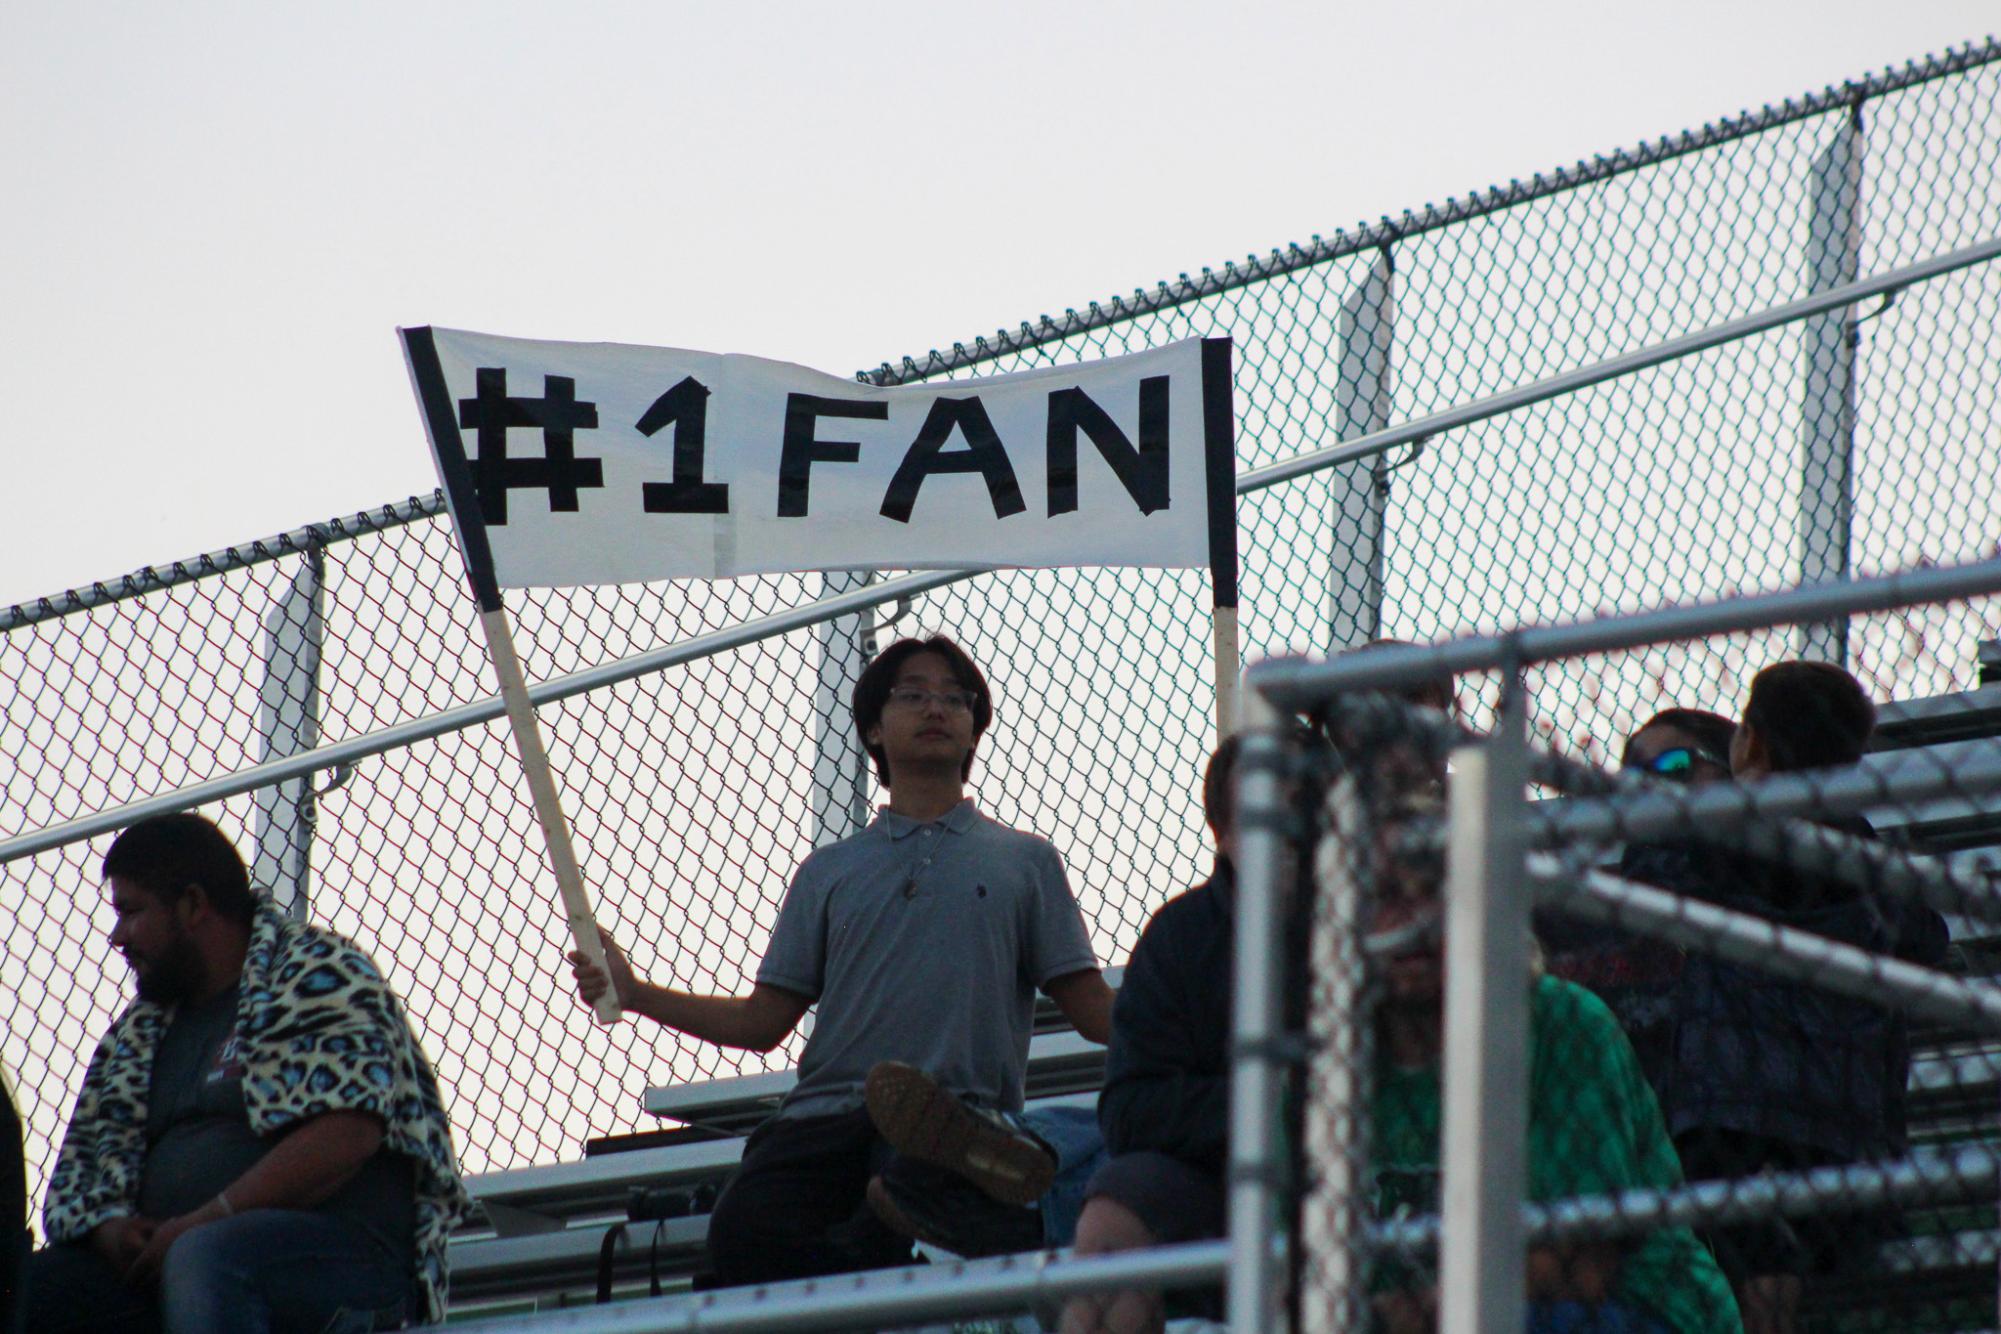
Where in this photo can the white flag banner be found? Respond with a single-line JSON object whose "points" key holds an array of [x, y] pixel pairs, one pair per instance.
{"points": [[588, 463]]}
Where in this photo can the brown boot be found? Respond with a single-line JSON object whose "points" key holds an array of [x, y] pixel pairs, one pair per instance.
{"points": [[924, 1121]]}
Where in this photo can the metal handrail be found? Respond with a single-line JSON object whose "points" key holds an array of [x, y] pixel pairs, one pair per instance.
{"points": [[1295, 684], [885, 1298], [466, 715]]}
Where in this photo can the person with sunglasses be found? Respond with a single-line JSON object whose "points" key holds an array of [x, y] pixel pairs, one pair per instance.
{"points": [[922, 940], [1635, 975], [1681, 746]]}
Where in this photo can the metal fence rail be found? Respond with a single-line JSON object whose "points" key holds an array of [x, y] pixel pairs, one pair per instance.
{"points": [[1845, 442]]}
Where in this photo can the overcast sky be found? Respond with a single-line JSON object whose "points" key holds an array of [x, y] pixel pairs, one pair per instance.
{"points": [[217, 214]]}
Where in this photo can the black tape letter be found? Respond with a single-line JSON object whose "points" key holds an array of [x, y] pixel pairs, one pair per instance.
{"points": [[802, 451], [560, 415], [984, 455], [1143, 471], [686, 406]]}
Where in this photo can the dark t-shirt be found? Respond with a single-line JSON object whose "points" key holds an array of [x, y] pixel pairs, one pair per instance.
{"points": [[198, 1136]]}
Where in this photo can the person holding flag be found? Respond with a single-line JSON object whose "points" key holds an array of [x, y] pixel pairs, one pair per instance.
{"points": [[922, 939]]}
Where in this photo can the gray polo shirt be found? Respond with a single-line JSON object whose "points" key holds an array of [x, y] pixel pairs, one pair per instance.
{"points": [[924, 943]]}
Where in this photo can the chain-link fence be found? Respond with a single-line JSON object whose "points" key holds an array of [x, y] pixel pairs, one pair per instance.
{"points": [[1725, 1019], [1858, 440]]}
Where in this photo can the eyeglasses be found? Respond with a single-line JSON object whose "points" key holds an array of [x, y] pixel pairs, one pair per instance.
{"points": [[915, 697], [1679, 763]]}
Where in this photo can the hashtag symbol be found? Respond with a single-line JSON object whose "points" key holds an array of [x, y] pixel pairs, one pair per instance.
{"points": [[559, 415]]}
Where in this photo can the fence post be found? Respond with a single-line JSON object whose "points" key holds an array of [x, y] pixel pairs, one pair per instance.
{"points": [[1482, 1256], [289, 724], [1362, 407], [1333, 1271], [1827, 410], [1256, 1149], [840, 765]]}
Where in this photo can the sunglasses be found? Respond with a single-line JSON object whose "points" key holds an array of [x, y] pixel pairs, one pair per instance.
{"points": [[1679, 763]]}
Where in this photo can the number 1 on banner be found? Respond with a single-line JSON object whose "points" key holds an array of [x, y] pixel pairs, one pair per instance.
{"points": [[548, 806]]}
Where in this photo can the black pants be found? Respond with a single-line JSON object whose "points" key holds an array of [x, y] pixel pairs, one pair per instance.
{"points": [[797, 1208]]}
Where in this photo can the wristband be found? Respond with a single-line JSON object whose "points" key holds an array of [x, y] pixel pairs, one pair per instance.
{"points": [[222, 1198]]}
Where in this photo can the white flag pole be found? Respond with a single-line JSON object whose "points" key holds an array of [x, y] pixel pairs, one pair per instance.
{"points": [[1228, 670], [1219, 432], [441, 424], [548, 803]]}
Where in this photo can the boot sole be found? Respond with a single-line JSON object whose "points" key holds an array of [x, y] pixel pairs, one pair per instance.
{"points": [[927, 1123], [885, 1211]]}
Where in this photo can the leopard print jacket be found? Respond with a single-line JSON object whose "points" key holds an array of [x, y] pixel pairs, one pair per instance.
{"points": [[321, 1031]]}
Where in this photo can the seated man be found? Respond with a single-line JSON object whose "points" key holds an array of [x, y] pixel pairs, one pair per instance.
{"points": [[1773, 1075], [1165, 1109], [259, 1143], [1637, 975], [923, 939]]}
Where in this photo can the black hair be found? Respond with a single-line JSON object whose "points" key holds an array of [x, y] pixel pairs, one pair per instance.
{"points": [[1219, 786], [1435, 692], [168, 853], [1712, 731], [879, 677], [1809, 715]]}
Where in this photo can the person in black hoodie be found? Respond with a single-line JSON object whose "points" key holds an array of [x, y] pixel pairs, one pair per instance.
{"points": [[1772, 1075], [14, 1240], [1165, 1108]]}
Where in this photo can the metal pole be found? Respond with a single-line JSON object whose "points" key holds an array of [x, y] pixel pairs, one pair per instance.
{"points": [[1340, 1038], [1255, 1146], [1359, 490], [840, 772], [885, 1298], [1952, 768], [243, 556], [1928, 1176], [1254, 268], [1868, 864], [466, 716], [289, 724], [1755, 942], [1295, 684], [1827, 416], [151, 579], [1482, 1255], [1599, 372], [1288, 683]]}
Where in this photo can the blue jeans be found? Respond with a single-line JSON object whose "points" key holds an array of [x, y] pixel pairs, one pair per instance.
{"points": [[1072, 1135], [262, 1270], [1577, 1318]]}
